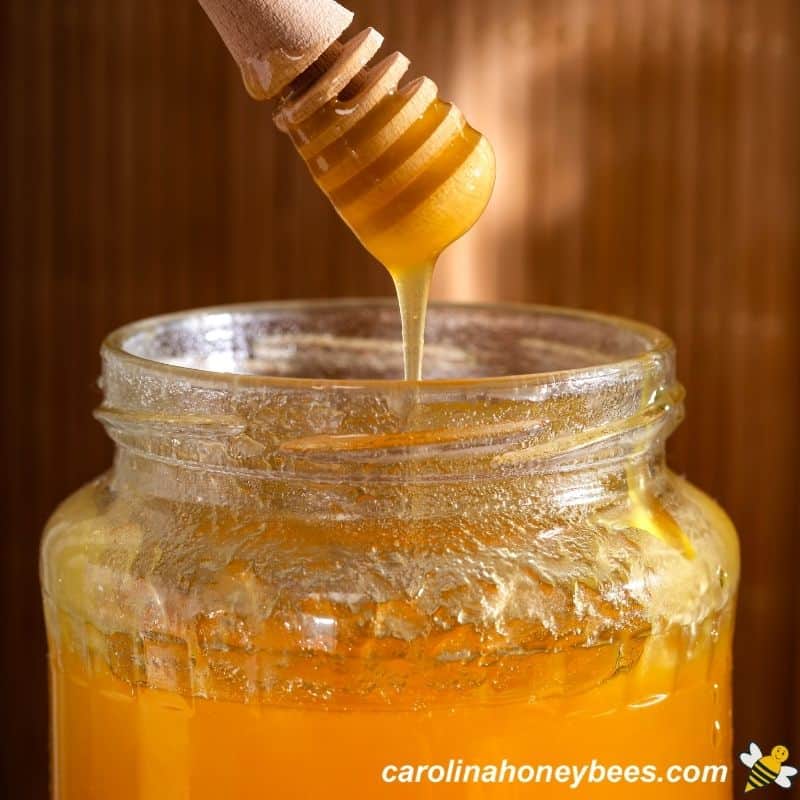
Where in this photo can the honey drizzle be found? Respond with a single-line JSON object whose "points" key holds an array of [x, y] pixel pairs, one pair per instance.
{"points": [[413, 286], [646, 511], [402, 168]]}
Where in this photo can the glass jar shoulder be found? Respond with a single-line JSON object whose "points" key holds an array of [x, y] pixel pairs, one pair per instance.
{"points": [[708, 524], [680, 557], [88, 555], [711, 564], [666, 554], [141, 581]]}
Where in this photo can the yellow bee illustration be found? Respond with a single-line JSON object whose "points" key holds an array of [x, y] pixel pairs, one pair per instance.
{"points": [[765, 770]]}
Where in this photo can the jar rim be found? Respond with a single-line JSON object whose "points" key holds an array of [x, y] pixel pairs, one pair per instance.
{"points": [[621, 398], [654, 345]]}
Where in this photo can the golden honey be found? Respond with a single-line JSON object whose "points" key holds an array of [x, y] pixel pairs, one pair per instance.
{"points": [[137, 743], [406, 172], [288, 586]]}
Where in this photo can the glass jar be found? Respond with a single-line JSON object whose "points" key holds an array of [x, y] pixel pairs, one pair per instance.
{"points": [[303, 579]]}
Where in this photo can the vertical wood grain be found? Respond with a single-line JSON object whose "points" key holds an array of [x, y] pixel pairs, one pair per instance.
{"points": [[649, 165]]}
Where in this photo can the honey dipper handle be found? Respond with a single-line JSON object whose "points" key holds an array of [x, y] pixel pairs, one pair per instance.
{"points": [[274, 41]]}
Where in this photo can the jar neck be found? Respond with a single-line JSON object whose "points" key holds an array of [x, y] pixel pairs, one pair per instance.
{"points": [[381, 447], [579, 490]]}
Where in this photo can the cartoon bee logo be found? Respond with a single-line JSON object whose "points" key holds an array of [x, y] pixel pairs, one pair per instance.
{"points": [[765, 770]]}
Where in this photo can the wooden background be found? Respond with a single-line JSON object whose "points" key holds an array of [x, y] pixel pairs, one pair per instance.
{"points": [[649, 165]]}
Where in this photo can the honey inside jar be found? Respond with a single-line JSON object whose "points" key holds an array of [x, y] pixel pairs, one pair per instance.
{"points": [[149, 743], [290, 588]]}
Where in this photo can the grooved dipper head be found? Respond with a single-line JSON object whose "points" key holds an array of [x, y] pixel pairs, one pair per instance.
{"points": [[274, 41]]}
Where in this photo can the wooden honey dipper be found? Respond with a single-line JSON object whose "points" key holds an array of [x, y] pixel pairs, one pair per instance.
{"points": [[403, 168]]}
